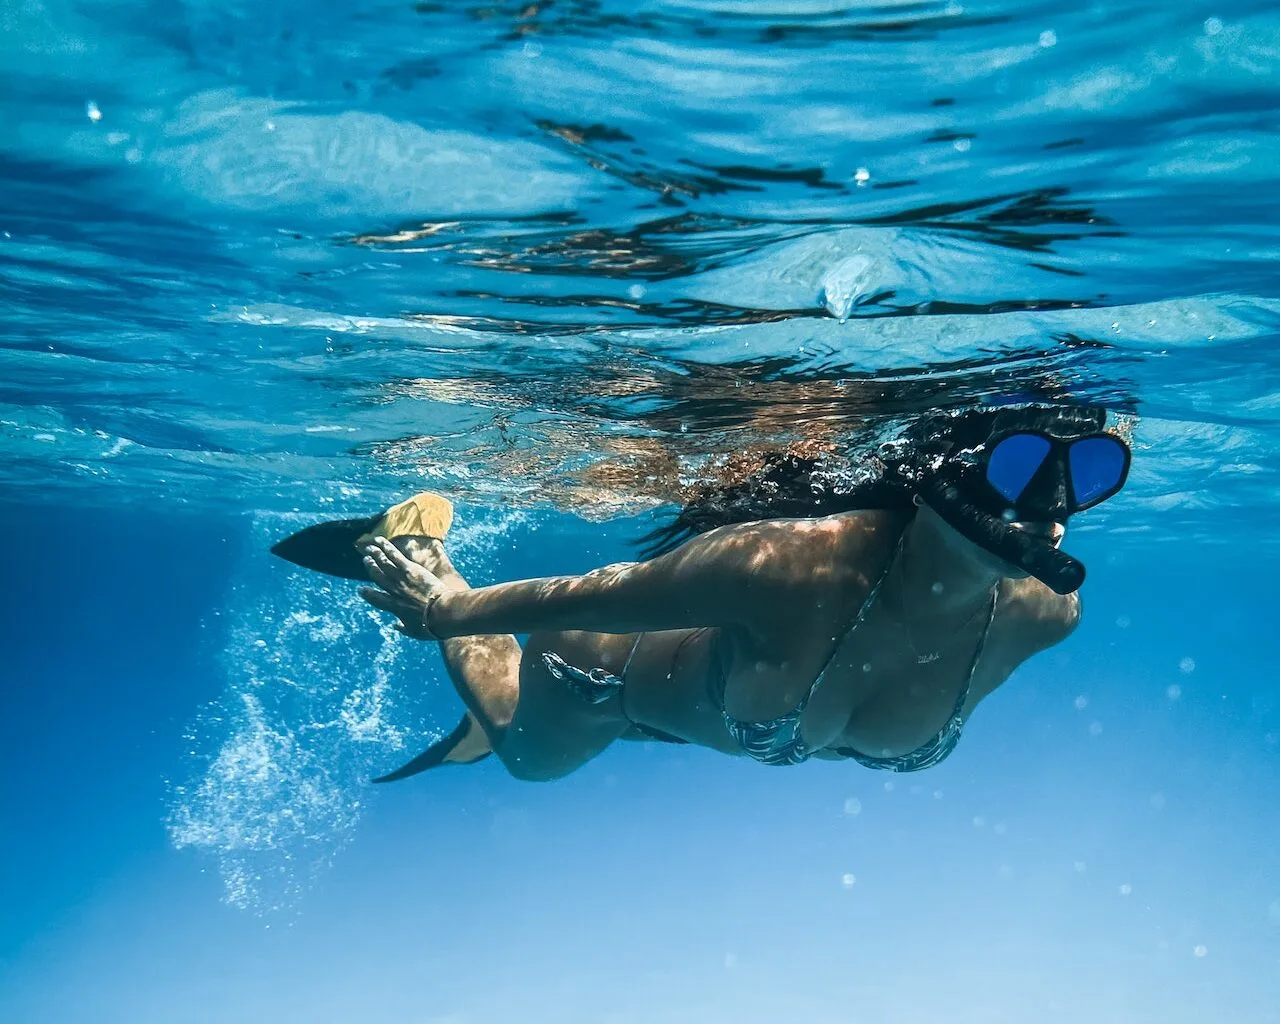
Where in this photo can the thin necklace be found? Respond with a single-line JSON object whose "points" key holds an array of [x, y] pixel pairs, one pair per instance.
{"points": [[929, 657]]}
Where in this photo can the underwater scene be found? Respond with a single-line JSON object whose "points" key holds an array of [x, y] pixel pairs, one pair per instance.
{"points": [[657, 511]]}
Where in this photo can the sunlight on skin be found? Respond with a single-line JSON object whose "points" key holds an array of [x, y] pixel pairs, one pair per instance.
{"points": [[782, 590]]}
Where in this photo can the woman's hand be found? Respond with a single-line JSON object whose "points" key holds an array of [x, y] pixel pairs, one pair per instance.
{"points": [[408, 590]]}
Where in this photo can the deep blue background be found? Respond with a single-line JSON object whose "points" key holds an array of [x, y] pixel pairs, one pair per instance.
{"points": [[657, 883], [104, 655], [220, 320]]}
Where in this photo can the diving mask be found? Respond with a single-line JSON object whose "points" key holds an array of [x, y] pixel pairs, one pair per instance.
{"points": [[1029, 476]]}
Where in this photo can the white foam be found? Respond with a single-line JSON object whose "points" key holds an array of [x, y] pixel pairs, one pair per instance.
{"points": [[320, 693]]}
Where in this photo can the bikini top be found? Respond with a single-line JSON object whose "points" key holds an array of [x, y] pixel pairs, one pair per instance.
{"points": [[778, 741]]}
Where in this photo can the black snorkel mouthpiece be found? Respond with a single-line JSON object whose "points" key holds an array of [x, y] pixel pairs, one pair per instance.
{"points": [[1055, 569]]}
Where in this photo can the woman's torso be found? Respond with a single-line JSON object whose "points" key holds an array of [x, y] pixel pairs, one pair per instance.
{"points": [[884, 692]]}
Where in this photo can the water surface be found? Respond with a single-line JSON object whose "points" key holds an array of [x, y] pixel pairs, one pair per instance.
{"points": [[262, 264]]}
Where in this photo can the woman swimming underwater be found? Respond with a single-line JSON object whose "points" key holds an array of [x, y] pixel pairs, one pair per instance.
{"points": [[781, 618]]}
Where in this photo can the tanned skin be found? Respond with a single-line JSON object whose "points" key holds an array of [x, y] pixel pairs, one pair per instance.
{"points": [[768, 603]]}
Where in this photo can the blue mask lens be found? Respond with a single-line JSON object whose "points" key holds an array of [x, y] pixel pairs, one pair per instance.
{"points": [[1097, 469], [1014, 461]]}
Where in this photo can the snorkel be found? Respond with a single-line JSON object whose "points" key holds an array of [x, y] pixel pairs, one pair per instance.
{"points": [[1026, 465], [1034, 555]]}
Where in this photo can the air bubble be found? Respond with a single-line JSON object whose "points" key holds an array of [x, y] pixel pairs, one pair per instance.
{"points": [[280, 760], [852, 807], [1212, 26], [1187, 665], [847, 881], [1048, 38], [92, 112]]}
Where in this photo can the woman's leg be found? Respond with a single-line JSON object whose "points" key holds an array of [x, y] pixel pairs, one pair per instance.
{"points": [[536, 726]]}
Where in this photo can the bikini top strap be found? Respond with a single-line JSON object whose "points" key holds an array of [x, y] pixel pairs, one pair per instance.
{"points": [[717, 684], [865, 607], [957, 711]]}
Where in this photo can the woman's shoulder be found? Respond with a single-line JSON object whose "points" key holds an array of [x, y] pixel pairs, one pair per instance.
{"points": [[1040, 617], [1030, 618], [859, 526], [842, 538]]}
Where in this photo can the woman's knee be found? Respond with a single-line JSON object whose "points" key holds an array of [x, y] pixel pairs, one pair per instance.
{"points": [[546, 750]]}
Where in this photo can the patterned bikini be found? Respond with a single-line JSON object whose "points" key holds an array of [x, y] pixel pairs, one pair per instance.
{"points": [[779, 741]]}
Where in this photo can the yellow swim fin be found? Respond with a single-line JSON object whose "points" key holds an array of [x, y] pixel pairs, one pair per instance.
{"points": [[332, 547], [424, 515]]}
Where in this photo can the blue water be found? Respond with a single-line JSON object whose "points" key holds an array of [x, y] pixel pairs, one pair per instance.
{"points": [[266, 264]]}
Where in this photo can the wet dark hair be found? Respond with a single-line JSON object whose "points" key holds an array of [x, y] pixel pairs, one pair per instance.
{"points": [[791, 485]]}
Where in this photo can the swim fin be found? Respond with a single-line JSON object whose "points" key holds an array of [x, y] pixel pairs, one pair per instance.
{"points": [[467, 744], [332, 547]]}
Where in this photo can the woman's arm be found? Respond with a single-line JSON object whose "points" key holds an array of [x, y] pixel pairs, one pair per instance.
{"points": [[732, 576], [637, 598]]}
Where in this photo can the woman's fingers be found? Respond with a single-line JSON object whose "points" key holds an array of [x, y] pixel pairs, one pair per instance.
{"points": [[406, 586], [380, 568], [386, 602], [394, 555], [376, 574], [396, 574], [387, 557]]}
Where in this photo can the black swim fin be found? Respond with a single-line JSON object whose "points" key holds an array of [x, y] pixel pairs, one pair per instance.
{"points": [[329, 547], [467, 744]]}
